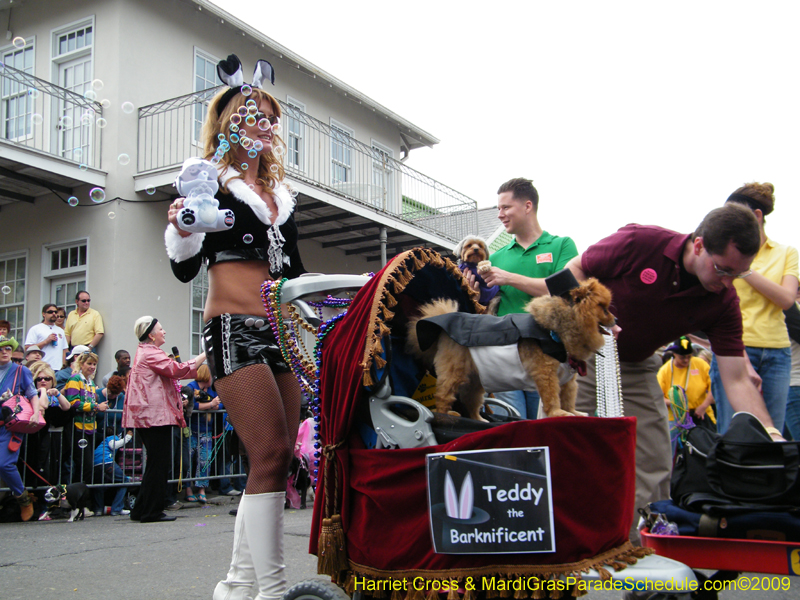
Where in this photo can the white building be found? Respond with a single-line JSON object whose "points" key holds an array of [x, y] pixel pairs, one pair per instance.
{"points": [[110, 94]]}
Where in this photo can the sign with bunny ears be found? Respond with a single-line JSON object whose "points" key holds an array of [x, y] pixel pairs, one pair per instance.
{"points": [[491, 501]]}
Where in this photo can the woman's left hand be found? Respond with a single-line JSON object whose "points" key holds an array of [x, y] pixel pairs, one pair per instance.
{"points": [[102, 407]]}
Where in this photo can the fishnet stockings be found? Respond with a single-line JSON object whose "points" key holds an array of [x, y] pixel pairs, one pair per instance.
{"points": [[265, 411]]}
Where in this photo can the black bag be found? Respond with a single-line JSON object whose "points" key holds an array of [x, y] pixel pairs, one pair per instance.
{"points": [[742, 470]]}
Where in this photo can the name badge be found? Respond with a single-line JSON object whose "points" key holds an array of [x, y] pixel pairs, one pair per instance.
{"points": [[544, 258]]}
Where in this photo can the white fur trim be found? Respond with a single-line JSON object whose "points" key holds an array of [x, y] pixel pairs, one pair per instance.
{"points": [[242, 192], [181, 248]]}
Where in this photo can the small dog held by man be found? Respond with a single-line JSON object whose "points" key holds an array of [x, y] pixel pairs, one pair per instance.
{"points": [[473, 256], [542, 348]]}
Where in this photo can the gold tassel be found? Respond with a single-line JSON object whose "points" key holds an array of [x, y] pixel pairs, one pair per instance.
{"points": [[579, 590], [389, 300], [521, 594], [631, 560], [436, 260], [415, 594], [469, 594], [379, 593], [604, 574], [506, 591], [333, 554], [539, 592], [396, 595], [367, 378], [641, 552], [350, 585], [453, 594], [418, 264], [432, 595], [379, 362], [384, 330], [617, 566], [557, 593], [387, 314]]}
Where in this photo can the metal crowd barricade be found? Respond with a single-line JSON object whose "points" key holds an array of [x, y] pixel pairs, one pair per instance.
{"points": [[48, 456]]}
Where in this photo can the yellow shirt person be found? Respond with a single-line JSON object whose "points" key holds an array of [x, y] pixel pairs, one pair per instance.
{"points": [[691, 373]]}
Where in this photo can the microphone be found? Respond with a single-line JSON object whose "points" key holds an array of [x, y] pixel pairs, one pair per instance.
{"points": [[176, 354]]}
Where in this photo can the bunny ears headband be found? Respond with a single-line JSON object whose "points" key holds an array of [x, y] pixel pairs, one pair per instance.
{"points": [[230, 73]]}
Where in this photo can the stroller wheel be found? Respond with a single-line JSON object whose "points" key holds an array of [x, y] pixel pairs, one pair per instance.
{"points": [[315, 590]]}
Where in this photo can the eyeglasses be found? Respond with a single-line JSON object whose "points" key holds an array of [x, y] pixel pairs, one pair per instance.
{"points": [[51, 312], [727, 273], [272, 118], [38, 379]]}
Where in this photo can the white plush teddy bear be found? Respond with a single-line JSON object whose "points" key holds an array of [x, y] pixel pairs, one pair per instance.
{"points": [[197, 182]]}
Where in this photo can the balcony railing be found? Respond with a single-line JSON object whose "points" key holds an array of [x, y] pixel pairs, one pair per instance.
{"points": [[319, 155], [38, 115]]}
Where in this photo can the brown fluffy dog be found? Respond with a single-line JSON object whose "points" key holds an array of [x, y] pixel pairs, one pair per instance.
{"points": [[579, 325]]}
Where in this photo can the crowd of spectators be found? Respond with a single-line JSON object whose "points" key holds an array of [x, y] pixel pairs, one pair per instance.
{"points": [[83, 440]]}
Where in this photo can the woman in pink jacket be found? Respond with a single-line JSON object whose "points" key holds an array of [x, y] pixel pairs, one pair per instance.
{"points": [[152, 407]]}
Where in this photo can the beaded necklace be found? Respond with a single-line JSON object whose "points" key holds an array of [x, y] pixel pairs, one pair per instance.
{"points": [[293, 349]]}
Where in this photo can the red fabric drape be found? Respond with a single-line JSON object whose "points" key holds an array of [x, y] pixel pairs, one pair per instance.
{"points": [[382, 493]]}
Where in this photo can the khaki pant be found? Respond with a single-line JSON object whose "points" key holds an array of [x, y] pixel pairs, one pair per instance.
{"points": [[641, 398]]}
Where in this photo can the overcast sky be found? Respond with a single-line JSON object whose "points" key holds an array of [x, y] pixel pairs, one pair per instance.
{"points": [[619, 111]]}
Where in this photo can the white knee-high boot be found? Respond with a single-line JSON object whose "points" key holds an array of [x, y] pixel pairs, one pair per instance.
{"points": [[264, 532], [241, 575]]}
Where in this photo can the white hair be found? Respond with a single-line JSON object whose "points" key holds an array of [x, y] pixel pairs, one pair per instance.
{"points": [[141, 325]]}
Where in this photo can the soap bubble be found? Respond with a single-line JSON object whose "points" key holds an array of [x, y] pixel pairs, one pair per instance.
{"points": [[97, 84], [252, 110], [247, 239], [273, 168], [250, 120], [87, 119], [90, 95], [6, 290], [294, 193], [243, 111], [279, 150], [83, 167], [33, 92], [127, 107], [97, 195], [111, 215], [234, 138], [73, 201], [77, 152], [65, 122], [246, 90], [124, 159], [101, 122], [37, 119], [215, 160], [233, 128], [251, 186], [263, 124], [82, 443], [250, 103], [245, 142], [276, 129], [150, 190], [252, 153], [105, 103], [244, 166], [19, 42], [258, 145], [236, 118]]}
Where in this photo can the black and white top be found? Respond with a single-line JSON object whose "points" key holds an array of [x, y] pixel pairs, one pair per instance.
{"points": [[253, 236]]}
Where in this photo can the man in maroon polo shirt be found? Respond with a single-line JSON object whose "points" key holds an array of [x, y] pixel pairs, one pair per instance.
{"points": [[664, 285]]}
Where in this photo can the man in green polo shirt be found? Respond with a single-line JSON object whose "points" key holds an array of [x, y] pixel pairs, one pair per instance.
{"points": [[521, 266]]}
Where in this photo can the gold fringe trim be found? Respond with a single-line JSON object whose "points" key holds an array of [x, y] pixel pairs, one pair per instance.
{"points": [[396, 595], [415, 594], [393, 281]]}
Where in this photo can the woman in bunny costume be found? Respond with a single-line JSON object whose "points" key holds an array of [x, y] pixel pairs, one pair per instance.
{"points": [[254, 240]]}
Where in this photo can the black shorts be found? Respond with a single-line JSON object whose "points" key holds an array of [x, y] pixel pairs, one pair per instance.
{"points": [[236, 341]]}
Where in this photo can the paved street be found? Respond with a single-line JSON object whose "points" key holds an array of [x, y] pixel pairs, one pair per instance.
{"points": [[103, 558]]}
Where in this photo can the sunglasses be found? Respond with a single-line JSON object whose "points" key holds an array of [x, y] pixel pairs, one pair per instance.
{"points": [[87, 300], [17, 360], [272, 118], [51, 312], [38, 379]]}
